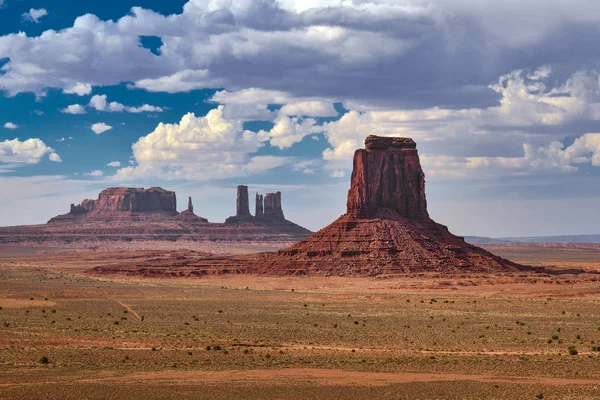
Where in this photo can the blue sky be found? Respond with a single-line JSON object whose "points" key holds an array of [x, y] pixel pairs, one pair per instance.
{"points": [[199, 96]]}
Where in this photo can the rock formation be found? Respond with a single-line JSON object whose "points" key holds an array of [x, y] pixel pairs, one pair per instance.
{"points": [[387, 174], [386, 229], [259, 207], [242, 208], [242, 202], [120, 202], [268, 214], [272, 204], [188, 215]]}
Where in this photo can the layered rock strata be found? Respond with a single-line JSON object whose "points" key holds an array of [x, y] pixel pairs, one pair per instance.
{"points": [[123, 202], [386, 229]]}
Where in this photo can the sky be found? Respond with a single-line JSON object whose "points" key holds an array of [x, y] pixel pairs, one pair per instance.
{"points": [[502, 98]]}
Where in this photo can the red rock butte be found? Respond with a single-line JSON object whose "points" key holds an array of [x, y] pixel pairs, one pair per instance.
{"points": [[386, 229]]}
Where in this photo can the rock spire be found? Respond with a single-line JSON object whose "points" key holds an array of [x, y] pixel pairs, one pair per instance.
{"points": [[242, 202]]}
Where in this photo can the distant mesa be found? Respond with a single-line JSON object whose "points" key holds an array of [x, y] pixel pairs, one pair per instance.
{"points": [[386, 228], [126, 203]]}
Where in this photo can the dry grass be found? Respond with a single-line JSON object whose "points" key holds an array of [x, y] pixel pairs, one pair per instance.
{"points": [[419, 336]]}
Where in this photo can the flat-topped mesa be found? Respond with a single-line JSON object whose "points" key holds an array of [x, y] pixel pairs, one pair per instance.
{"points": [[272, 206], [259, 206], [129, 199], [387, 174], [242, 203]]}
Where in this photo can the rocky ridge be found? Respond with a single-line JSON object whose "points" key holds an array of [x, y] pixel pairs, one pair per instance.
{"points": [[140, 215]]}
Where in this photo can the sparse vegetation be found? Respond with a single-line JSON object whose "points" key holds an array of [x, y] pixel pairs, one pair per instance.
{"points": [[367, 326]]}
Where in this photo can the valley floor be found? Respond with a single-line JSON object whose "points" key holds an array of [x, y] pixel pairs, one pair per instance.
{"points": [[67, 334]]}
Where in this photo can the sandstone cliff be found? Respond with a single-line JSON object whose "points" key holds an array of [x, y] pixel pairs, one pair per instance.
{"points": [[386, 229], [121, 202], [273, 209], [387, 174]]}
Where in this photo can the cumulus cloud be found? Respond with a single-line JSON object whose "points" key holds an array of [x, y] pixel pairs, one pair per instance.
{"points": [[55, 157], [10, 125], [199, 148], [100, 127], [34, 15], [309, 108], [287, 131], [413, 53], [30, 151], [74, 109], [114, 164], [95, 172], [100, 103], [532, 114], [253, 103], [78, 88]]}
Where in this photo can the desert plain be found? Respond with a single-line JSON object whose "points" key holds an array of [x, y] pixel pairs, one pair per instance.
{"points": [[68, 332]]}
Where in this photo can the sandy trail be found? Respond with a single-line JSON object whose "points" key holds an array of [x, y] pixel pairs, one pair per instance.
{"points": [[128, 308]]}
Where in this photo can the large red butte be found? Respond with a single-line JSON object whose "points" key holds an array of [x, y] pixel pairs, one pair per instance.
{"points": [[386, 228]]}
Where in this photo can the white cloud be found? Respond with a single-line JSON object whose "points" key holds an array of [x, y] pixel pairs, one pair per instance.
{"points": [[100, 103], [96, 172], [30, 151], [338, 173], [100, 127], [34, 15], [372, 49], [182, 81], [78, 88], [10, 125], [288, 131], [254, 101], [553, 158], [114, 164], [55, 157], [74, 109], [309, 109], [199, 148], [526, 103], [252, 96]]}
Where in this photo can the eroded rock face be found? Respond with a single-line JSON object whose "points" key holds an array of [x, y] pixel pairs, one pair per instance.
{"points": [[242, 203], [387, 174], [129, 199], [190, 205], [259, 207], [272, 206]]}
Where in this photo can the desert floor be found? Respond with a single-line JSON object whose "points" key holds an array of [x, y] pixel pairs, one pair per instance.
{"points": [[67, 334]]}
